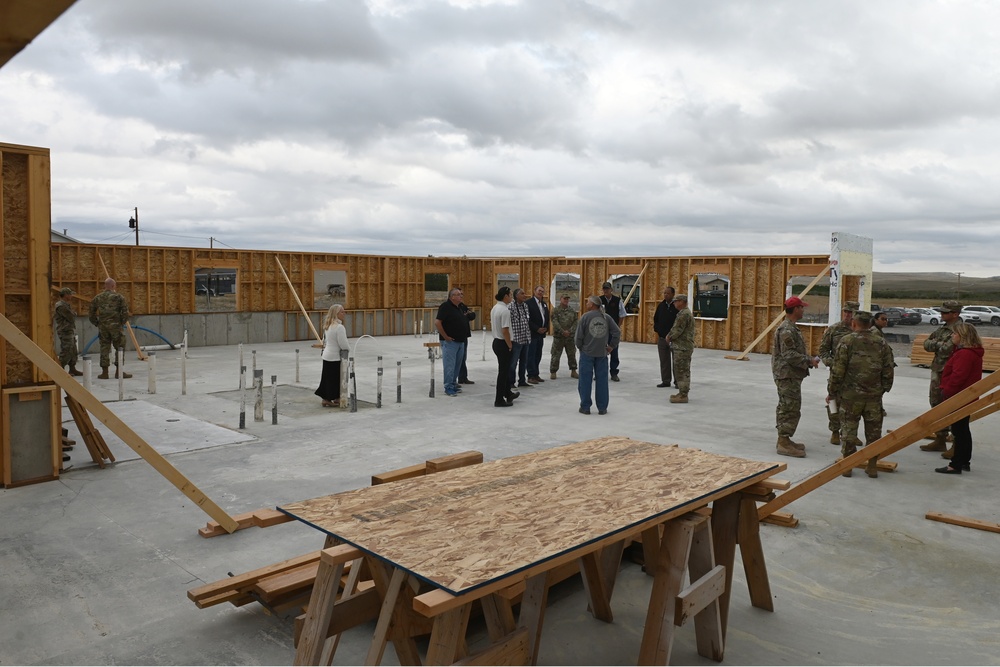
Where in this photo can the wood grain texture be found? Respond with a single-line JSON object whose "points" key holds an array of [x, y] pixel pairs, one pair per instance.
{"points": [[463, 528]]}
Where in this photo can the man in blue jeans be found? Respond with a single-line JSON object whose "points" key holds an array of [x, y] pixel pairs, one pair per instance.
{"points": [[453, 331], [596, 336], [520, 333]]}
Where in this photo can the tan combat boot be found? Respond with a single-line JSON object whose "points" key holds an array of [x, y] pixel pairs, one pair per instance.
{"points": [[574, 375], [124, 374], [834, 437], [948, 454], [788, 448], [552, 376], [679, 398], [936, 445], [872, 468], [845, 451], [104, 374], [74, 372]]}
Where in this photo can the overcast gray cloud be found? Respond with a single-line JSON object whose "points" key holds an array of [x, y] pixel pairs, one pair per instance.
{"points": [[522, 128]]}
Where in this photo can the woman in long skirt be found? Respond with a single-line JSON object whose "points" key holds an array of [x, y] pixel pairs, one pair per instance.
{"points": [[334, 340]]}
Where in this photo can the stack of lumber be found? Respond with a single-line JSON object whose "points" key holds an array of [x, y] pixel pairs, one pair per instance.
{"points": [[991, 360]]}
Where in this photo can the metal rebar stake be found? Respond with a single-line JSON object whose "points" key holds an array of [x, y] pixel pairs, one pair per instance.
{"points": [[399, 381], [151, 362], [378, 387], [430, 354], [274, 399], [258, 390], [243, 397]]}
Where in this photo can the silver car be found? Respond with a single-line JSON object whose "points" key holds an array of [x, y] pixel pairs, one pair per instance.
{"points": [[989, 314]]}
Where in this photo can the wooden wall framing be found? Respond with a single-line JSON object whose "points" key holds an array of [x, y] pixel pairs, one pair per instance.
{"points": [[160, 280]]}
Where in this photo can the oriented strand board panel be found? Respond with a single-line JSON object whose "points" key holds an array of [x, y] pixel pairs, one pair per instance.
{"points": [[462, 528], [24, 243]]}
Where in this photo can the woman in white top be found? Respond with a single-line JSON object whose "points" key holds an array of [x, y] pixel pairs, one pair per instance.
{"points": [[334, 340]]}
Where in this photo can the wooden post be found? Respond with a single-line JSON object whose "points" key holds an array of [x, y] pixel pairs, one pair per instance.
{"points": [[50, 367], [298, 301]]}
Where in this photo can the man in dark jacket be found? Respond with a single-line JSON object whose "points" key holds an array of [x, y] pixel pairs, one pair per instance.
{"points": [[538, 320], [663, 320], [615, 309]]}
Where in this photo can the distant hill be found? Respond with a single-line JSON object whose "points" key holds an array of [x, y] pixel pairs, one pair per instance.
{"points": [[939, 285]]}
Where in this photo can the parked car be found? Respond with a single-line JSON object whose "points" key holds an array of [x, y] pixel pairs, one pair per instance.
{"points": [[986, 313], [928, 316], [972, 316], [902, 316]]}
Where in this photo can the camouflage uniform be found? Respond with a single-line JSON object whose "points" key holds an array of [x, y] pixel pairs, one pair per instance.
{"points": [[109, 313], [564, 321], [682, 344], [789, 366], [940, 344], [827, 349], [65, 319], [862, 371]]}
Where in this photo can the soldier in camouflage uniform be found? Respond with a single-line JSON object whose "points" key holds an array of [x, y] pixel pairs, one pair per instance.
{"points": [[65, 318], [862, 371], [564, 321], [681, 342], [109, 313], [790, 365], [827, 349], [941, 345]]}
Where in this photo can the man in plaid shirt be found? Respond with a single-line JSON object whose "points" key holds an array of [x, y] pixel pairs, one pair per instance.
{"points": [[520, 334]]}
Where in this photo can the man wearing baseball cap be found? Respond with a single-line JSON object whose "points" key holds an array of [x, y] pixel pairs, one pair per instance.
{"points": [[65, 318], [615, 309], [790, 364], [941, 345]]}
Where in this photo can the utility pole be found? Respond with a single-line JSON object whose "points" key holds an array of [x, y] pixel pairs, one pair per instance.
{"points": [[134, 222], [959, 294], [211, 242]]}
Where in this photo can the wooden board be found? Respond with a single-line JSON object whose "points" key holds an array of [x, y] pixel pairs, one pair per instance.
{"points": [[73, 388], [921, 357], [966, 522], [463, 528]]}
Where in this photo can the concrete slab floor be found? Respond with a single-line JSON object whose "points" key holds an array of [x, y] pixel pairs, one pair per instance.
{"points": [[94, 567]]}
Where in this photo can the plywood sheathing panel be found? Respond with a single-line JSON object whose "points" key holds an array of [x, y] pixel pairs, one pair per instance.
{"points": [[442, 513]]}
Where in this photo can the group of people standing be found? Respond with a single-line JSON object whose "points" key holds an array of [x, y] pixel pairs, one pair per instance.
{"points": [[862, 371], [109, 312]]}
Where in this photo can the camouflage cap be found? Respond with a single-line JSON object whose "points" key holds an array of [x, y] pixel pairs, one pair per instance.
{"points": [[863, 316], [851, 306], [681, 297], [64, 291], [951, 307]]}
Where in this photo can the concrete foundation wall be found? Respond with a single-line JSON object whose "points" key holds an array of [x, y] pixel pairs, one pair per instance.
{"points": [[203, 329]]}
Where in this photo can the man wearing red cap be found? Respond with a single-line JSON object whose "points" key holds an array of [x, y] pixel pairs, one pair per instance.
{"points": [[790, 365]]}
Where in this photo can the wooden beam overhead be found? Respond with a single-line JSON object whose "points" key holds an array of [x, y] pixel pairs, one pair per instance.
{"points": [[23, 20]]}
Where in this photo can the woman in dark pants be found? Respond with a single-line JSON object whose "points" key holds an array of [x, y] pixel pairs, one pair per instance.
{"points": [[334, 340], [963, 369]]}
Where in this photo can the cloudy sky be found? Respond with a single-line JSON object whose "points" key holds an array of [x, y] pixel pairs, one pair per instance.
{"points": [[544, 127]]}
